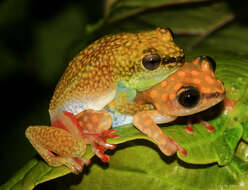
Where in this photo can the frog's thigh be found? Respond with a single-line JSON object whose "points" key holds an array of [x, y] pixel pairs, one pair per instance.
{"points": [[48, 140], [145, 123], [94, 121], [96, 130]]}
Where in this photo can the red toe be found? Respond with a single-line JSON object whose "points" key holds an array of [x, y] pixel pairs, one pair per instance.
{"points": [[105, 158]]}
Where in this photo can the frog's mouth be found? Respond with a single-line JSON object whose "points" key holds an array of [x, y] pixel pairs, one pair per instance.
{"points": [[175, 59]]}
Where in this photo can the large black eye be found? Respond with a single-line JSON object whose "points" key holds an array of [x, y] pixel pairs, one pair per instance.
{"points": [[188, 96], [210, 60], [151, 61]]}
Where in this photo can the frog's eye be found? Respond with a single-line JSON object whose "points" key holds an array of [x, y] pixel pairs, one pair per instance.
{"points": [[188, 96], [151, 61], [210, 61]]}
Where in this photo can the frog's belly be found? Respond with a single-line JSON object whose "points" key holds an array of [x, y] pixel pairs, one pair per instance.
{"points": [[118, 118], [77, 105], [94, 102]]}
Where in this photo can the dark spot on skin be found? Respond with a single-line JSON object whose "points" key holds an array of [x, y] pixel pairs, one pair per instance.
{"points": [[132, 68], [124, 43], [180, 59], [175, 59], [170, 67], [165, 60]]}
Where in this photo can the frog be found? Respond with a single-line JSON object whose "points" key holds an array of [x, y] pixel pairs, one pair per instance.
{"points": [[193, 88], [112, 66]]}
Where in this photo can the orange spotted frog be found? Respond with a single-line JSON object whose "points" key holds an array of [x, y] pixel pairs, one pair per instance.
{"points": [[192, 89], [113, 67]]}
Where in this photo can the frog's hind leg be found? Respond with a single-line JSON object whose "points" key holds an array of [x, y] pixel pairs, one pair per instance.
{"points": [[58, 147], [146, 121], [96, 130]]}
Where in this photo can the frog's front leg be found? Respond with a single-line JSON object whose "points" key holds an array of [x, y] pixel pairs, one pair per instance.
{"points": [[58, 147], [146, 121], [125, 101]]}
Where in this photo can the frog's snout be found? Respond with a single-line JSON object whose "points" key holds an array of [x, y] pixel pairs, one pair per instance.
{"points": [[176, 59]]}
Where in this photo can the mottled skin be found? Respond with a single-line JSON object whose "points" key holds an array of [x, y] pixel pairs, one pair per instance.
{"points": [[93, 77], [105, 71], [165, 97]]}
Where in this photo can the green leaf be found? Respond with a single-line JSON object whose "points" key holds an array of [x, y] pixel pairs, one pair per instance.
{"points": [[242, 151], [33, 173], [202, 147], [150, 170]]}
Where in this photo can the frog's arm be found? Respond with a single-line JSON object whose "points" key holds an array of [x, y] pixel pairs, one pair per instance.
{"points": [[145, 118], [146, 121], [124, 101]]}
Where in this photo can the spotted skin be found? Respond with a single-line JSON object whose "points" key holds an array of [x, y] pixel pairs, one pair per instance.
{"points": [[101, 73], [68, 137], [165, 98], [95, 126], [62, 143], [92, 78], [94, 121]]}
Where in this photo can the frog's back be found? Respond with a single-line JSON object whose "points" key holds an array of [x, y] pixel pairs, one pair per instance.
{"points": [[91, 78]]}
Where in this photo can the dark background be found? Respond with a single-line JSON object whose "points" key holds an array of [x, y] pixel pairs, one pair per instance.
{"points": [[33, 56], [37, 40]]}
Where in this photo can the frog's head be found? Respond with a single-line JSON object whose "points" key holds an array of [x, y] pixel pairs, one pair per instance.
{"points": [[146, 58], [192, 89]]}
